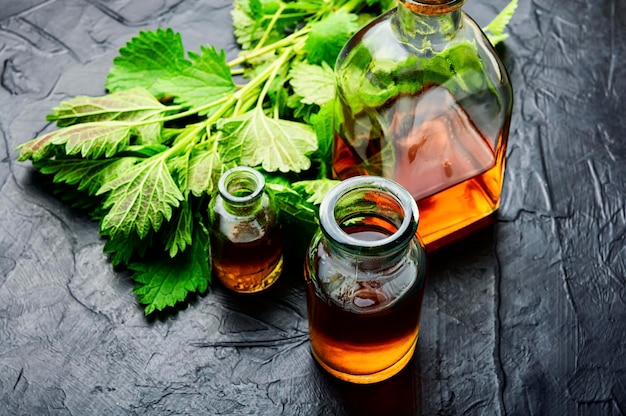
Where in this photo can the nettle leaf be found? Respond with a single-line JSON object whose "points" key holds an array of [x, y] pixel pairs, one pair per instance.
{"points": [[147, 59], [314, 83], [123, 248], [206, 80], [162, 282], [94, 139], [323, 123], [140, 199], [182, 228], [88, 174], [89, 140], [246, 29], [205, 169], [315, 189], [256, 9], [293, 204], [37, 149], [328, 36], [299, 217], [254, 139], [179, 168], [136, 104], [495, 29], [149, 133]]}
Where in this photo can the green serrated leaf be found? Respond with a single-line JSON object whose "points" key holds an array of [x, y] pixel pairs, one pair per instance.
{"points": [[205, 81], [88, 174], [179, 169], [498, 24], [205, 169], [37, 149], [315, 189], [89, 140], [254, 139], [182, 228], [123, 249], [140, 199], [299, 217], [314, 83], [94, 139], [256, 9], [163, 282], [292, 203], [329, 35], [136, 104], [246, 29], [147, 59], [299, 110], [323, 123]]}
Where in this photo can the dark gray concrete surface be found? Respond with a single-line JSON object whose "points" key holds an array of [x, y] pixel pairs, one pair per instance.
{"points": [[527, 317]]}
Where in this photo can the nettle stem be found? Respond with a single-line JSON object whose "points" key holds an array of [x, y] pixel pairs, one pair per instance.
{"points": [[255, 53], [270, 26], [276, 66], [352, 5]]}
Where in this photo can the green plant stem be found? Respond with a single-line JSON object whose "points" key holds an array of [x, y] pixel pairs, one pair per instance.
{"points": [[270, 26], [352, 5], [287, 41], [187, 137], [177, 116], [232, 100], [276, 65]]}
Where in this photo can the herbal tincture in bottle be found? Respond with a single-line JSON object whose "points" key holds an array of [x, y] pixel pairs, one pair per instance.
{"points": [[246, 238], [365, 273], [425, 100]]}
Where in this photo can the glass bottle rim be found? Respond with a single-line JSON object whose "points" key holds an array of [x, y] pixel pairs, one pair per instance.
{"points": [[404, 232], [245, 178]]}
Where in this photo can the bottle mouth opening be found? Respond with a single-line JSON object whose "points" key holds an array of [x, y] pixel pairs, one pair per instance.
{"points": [[369, 203], [432, 6], [241, 185]]}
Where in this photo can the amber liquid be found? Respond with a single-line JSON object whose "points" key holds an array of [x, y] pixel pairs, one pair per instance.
{"points": [[370, 335], [428, 144], [248, 267]]}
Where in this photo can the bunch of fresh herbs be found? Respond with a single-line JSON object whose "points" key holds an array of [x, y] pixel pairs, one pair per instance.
{"points": [[145, 158]]}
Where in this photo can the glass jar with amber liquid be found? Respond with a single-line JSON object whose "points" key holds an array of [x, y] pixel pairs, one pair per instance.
{"points": [[424, 99], [246, 245], [365, 275]]}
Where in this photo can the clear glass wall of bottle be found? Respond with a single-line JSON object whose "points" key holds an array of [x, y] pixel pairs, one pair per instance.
{"points": [[246, 245], [365, 273], [424, 99]]}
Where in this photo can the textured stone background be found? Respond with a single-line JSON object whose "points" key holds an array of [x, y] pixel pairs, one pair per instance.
{"points": [[524, 318]]}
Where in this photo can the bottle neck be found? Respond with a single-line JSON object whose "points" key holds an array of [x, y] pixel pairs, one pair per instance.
{"points": [[368, 220], [431, 20], [241, 190]]}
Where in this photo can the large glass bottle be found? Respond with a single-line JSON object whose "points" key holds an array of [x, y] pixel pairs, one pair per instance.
{"points": [[365, 272], [246, 245], [424, 99]]}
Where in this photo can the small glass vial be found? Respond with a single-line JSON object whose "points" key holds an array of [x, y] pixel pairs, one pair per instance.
{"points": [[246, 244], [365, 272], [424, 99]]}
